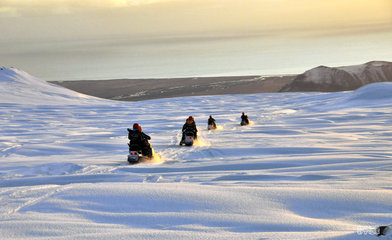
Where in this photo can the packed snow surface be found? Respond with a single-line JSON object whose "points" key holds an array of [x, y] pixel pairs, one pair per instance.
{"points": [[311, 166]]}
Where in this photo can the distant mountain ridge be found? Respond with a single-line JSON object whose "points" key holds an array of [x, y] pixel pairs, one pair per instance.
{"points": [[18, 86], [333, 79]]}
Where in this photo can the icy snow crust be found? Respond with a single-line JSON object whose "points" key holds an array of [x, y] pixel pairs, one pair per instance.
{"points": [[312, 166]]}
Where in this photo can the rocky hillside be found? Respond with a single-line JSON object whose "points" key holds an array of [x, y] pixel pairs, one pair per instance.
{"points": [[331, 79]]}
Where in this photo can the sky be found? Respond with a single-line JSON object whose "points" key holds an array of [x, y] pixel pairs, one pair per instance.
{"points": [[107, 39], [72, 19]]}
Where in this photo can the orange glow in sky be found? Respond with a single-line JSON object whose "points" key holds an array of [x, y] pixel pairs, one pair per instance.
{"points": [[75, 18]]}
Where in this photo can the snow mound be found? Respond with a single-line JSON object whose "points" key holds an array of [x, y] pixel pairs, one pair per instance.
{"points": [[17, 86], [375, 95], [372, 92]]}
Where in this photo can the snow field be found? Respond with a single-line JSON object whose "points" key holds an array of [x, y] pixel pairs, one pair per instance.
{"points": [[312, 166]]}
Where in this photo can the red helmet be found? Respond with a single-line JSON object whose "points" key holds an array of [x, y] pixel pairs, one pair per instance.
{"points": [[190, 118], [135, 126]]}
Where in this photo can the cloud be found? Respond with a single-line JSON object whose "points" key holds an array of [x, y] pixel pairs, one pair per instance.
{"points": [[8, 12], [47, 19], [13, 8]]}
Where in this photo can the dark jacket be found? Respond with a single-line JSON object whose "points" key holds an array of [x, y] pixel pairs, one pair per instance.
{"points": [[190, 127], [138, 138], [245, 118], [211, 121]]}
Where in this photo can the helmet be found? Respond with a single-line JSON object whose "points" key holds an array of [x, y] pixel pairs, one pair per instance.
{"points": [[135, 126], [189, 120], [243, 113]]}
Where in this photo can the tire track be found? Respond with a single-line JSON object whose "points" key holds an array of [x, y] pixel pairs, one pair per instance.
{"points": [[16, 201]]}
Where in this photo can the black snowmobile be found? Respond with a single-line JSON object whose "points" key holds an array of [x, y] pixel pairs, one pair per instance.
{"points": [[211, 123], [137, 155], [244, 122], [139, 147], [188, 140], [211, 127]]}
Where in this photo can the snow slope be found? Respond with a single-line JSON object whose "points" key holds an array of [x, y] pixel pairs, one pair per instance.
{"points": [[18, 86], [312, 166]]}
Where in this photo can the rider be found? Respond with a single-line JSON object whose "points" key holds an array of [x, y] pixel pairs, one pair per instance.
{"points": [[211, 121], [244, 118], [139, 138], [189, 126]]}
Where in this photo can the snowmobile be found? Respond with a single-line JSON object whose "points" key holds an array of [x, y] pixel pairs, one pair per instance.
{"points": [[136, 155], [188, 139], [211, 126], [244, 122]]}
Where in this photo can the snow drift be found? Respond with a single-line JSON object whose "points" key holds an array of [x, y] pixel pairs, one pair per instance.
{"points": [[312, 166], [332, 79]]}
